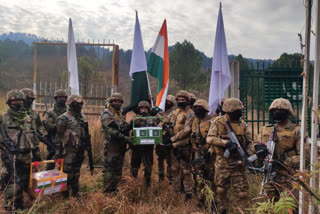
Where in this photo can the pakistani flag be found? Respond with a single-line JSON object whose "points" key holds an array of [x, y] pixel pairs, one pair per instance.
{"points": [[138, 67], [158, 65]]}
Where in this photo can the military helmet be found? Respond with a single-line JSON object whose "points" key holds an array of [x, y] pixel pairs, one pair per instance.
{"points": [[192, 96], [28, 93], [231, 105], [15, 95], [60, 93], [183, 93], [116, 96], [281, 103], [143, 104], [202, 103], [74, 98], [171, 98]]}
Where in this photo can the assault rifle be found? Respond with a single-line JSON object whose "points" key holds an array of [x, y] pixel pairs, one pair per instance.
{"points": [[269, 174], [87, 140], [247, 161], [201, 160]]}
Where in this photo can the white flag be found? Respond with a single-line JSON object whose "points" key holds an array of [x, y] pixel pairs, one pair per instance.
{"points": [[72, 62], [220, 73]]}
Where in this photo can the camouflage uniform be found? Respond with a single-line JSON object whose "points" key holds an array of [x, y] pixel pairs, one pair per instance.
{"points": [[142, 153], [70, 142], [35, 117], [200, 128], [115, 143], [181, 153], [164, 152], [224, 173], [18, 125], [287, 150], [50, 122]]}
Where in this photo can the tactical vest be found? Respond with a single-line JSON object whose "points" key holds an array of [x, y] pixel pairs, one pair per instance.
{"points": [[27, 137], [74, 132], [201, 126], [239, 129], [285, 142]]}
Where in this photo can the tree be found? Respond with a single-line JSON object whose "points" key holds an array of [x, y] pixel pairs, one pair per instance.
{"points": [[289, 60], [185, 64]]}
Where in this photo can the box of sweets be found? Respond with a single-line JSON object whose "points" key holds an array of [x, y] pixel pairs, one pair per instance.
{"points": [[47, 182]]}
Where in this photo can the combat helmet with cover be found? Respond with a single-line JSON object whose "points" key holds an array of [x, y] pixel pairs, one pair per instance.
{"points": [[28, 93], [183, 93], [171, 98], [281, 103], [143, 104], [116, 96], [15, 95], [60, 93], [74, 98], [231, 105], [202, 103]]}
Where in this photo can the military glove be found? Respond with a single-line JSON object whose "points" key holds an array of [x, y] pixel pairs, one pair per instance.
{"points": [[129, 140], [232, 147], [261, 151], [167, 140]]}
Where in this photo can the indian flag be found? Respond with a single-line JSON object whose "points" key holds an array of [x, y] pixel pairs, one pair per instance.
{"points": [[158, 65], [138, 68]]}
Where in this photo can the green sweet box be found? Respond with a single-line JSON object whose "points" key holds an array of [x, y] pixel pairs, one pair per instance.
{"points": [[149, 134]]}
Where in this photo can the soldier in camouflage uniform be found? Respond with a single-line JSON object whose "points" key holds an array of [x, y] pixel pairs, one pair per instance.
{"points": [[204, 155], [143, 153], [70, 144], [21, 130], [50, 120], [182, 122], [224, 173], [116, 133], [287, 146], [164, 152], [34, 115]]}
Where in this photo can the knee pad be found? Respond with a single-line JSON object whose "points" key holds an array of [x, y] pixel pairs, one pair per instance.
{"points": [[243, 195]]}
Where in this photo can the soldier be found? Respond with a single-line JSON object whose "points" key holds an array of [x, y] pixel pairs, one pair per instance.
{"points": [[116, 132], [142, 153], [164, 152], [204, 155], [193, 99], [70, 141], [50, 120], [17, 127], [182, 122], [286, 136], [34, 115], [224, 173]]}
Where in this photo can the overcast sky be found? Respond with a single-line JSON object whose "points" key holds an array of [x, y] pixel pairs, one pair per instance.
{"points": [[254, 28]]}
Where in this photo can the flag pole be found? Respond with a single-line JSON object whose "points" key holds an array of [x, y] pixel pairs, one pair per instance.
{"points": [[149, 89]]}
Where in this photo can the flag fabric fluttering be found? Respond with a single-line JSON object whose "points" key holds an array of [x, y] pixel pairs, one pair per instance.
{"points": [[138, 68], [158, 65], [72, 62], [220, 73]]}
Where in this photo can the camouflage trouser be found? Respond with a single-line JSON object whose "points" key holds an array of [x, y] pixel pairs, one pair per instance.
{"points": [[224, 176], [205, 175], [142, 154], [164, 154], [13, 193], [72, 168], [181, 170], [113, 161], [282, 183]]}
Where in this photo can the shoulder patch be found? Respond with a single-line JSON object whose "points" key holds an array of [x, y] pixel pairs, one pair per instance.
{"points": [[189, 115]]}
